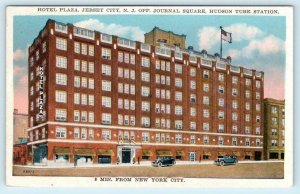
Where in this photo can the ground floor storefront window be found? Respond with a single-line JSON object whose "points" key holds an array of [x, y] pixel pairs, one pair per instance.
{"points": [[40, 153], [273, 155], [62, 158], [104, 159]]}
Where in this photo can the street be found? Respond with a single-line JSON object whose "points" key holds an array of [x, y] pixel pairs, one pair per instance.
{"points": [[272, 170]]}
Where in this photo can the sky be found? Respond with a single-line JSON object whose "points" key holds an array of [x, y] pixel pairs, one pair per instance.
{"points": [[258, 42]]}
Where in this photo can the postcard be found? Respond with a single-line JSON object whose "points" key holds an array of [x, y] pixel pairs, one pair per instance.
{"points": [[149, 96]]}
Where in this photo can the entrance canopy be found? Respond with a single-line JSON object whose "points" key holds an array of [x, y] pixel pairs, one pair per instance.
{"points": [[248, 153], [84, 152], [207, 153], [103, 152], [62, 151], [164, 153]]}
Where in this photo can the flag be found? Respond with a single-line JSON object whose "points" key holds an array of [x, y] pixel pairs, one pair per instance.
{"points": [[226, 36]]}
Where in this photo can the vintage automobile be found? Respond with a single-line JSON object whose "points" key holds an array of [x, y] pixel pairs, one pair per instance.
{"points": [[164, 161], [221, 161]]}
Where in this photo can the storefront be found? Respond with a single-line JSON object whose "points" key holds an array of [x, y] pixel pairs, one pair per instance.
{"points": [[84, 156], [206, 155], [40, 153], [179, 155], [105, 156], [146, 154], [248, 155], [163, 153], [62, 154]]}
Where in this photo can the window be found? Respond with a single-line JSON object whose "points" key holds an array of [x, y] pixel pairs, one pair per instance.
{"points": [[178, 68], [157, 78], [145, 121], [132, 89], [221, 140], [106, 53], [274, 143], [257, 95], [120, 87], [60, 114], [274, 131], [106, 101], [235, 80], [205, 74], [167, 66], [234, 92], [126, 104], [234, 141], [145, 62], [221, 102], [193, 112], [234, 116], [76, 98], [61, 62], [76, 133], [221, 77], [274, 110], [61, 132], [106, 118], [168, 80], [221, 128], [247, 117], [84, 116], [206, 113], [91, 83], [247, 106], [247, 142], [247, 130], [193, 125], [248, 82], [257, 84], [76, 81], [178, 124], [83, 66], [132, 59], [76, 65], [145, 77], [77, 47], [76, 115], [157, 137], [44, 47], [221, 89], [83, 49], [157, 123], [61, 44], [206, 100], [120, 72], [126, 73], [60, 96], [106, 134], [145, 136], [120, 56], [91, 50], [91, 100], [91, 134], [106, 69], [193, 84], [206, 126], [234, 129], [192, 72], [257, 118], [178, 138], [132, 75], [205, 87], [221, 114], [132, 120], [126, 120], [126, 88], [178, 96], [162, 79], [178, 110], [178, 82], [145, 91], [126, 57], [274, 121], [106, 85], [257, 131], [234, 104], [257, 142], [257, 107], [84, 82], [83, 133], [145, 106], [247, 94], [205, 140], [120, 119], [193, 98]]}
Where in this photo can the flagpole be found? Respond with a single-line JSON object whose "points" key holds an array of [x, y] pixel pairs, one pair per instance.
{"points": [[221, 42]]}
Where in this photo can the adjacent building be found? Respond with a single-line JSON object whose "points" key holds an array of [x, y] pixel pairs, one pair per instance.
{"points": [[274, 134], [20, 126], [98, 98]]}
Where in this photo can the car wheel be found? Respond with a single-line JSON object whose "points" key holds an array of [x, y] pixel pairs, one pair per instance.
{"points": [[159, 164], [222, 163]]}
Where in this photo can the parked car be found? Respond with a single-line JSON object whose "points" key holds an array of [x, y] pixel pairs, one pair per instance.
{"points": [[164, 161], [221, 161]]}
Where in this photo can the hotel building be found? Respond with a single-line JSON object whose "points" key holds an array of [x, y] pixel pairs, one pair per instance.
{"points": [[97, 98], [274, 134]]}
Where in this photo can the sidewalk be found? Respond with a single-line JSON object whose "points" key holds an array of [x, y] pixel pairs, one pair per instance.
{"points": [[148, 163]]}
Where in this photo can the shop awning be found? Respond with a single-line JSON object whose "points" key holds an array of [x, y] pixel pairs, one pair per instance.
{"points": [[248, 153], [62, 151], [164, 153], [180, 153], [236, 153], [221, 153], [147, 153], [84, 152], [207, 153], [103, 152]]}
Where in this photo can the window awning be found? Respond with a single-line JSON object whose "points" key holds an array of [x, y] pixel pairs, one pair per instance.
{"points": [[221, 153], [84, 152], [236, 153], [207, 153], [248, 153], [62, 151], [103, 152], [147, 153], [180, 153], [164, 153]]}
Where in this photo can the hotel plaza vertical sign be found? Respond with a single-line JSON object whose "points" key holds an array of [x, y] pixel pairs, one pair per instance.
{"points": [[41, 92]]}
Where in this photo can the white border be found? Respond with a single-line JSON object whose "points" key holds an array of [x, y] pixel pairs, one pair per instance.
{"points": [[189, 183]]}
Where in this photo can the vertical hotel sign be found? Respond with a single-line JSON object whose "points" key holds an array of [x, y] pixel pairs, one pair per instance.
{"points": [[41, 92]]}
